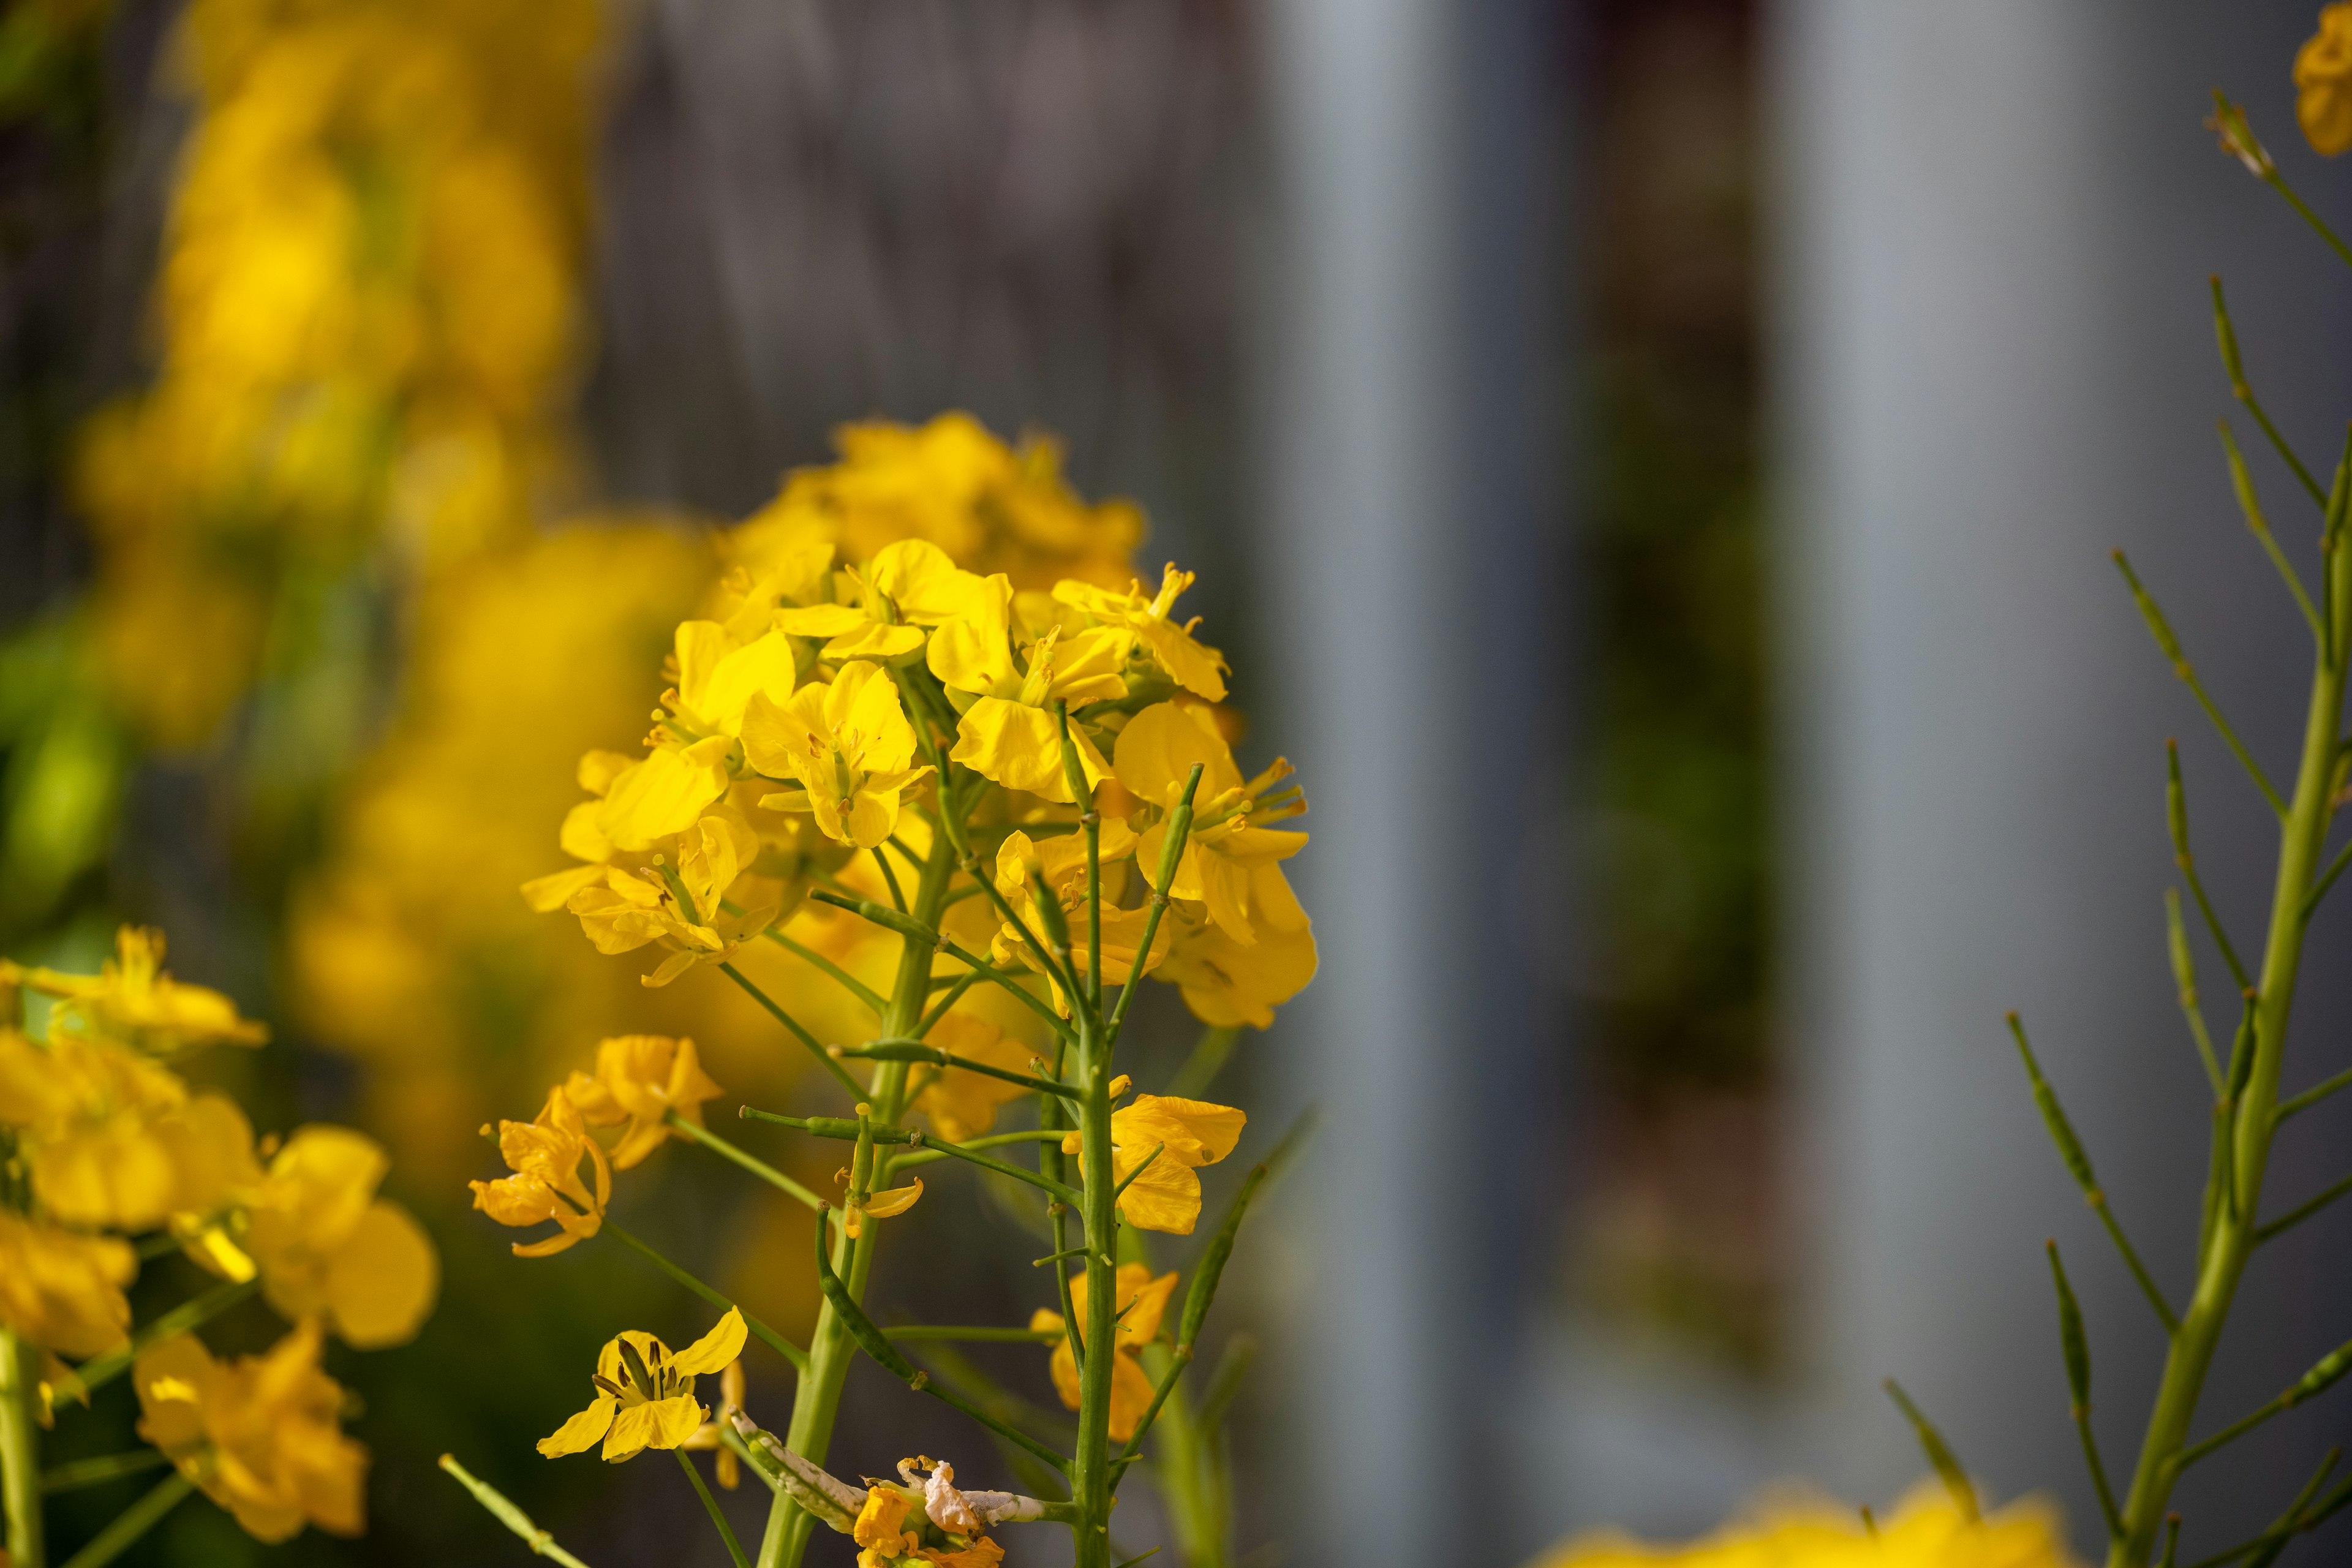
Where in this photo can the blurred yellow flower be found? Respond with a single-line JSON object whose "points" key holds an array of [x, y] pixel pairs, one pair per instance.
{"points": [[962, 1104], [1143, 1301], [113, 1138], [1185, 1134], [133, 1001], [544, 1154], [2323, 81], [639, 1081], [1227, 983], [1229, 865], [61, 1290], [1926, 1530], [645, 1394], [848, 744], [327, 1247], [261, 1434]]}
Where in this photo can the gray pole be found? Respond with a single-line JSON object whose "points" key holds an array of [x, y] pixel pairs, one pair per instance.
{"points": [[1408, 591], [1996, 363]]}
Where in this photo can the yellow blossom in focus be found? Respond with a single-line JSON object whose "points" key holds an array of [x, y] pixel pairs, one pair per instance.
{"points": [[907, 587], [1010, 733], [1147, 621], [2323, 81], [61, 1290], [849, 746], [544, 1154], [645, 1394], [1926, 1530], [1143, 1301], [639, 1081], [133, 1001], [327, 1247], [261, 1434], [1061, 862], [114, 1139], [1186, 1135], [678, 907], [1231, 865], [961, 1104]]}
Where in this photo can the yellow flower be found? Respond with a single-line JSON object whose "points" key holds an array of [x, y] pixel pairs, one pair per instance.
{"points": [[544, 1154], [1925, 1531], [849, 745], [706, 1435], [1142, 1301], [1227, 983], [2323, 80], [963, 1104], [631, 909], [880, 1528], [327, 1247], [64, 1291], [1197, 668], [115, 1140], [260, 1434], [133, 1001], [661, 793], [1229, 865], [1062, 861], [639, 1081], [906, 587], [1188, 1134], [1010, 733], [645, 1394]]}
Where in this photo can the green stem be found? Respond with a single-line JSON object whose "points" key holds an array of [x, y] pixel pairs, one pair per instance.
{"points": [[918, 1332], [817, 1403], [693, 1133], [840, 1073], [710, 1504], [540, 1543], [764, 1334], [134, 1522], [20, 1449], [1090, 1475], [186, 1318], [2234, 1232], [106, 1467], [840, 977]]}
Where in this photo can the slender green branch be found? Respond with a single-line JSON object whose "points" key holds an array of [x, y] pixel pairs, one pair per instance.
{"points": [[956, 987], [2078, 1162], [766, 1335], [2076, 1346], [927, 1332], [2327, 880], [840, 1073], [106, 1467], [2161, 630], [1940, 1458], [1129, 1180], [2296, 1215], [20, 1449], [890, 879], [2175, 811], [2184, 979], [132, 1522], [186, 1318], [695, 1133], [1171, 854], [540, 1543], [711, 1505], [2244, 483], [2244, 393], [864, 993], [2300, 1103], [2270, 1554], [933, 1055], [919, 1157], [1082, 794]]}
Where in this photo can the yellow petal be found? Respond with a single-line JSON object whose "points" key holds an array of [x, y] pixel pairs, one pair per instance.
{"points": [[1158, 749], [549, 893], [1165, 1197], [1021, 748], [381, 1285], [1130, 1395], [714, 1350], [583, 1431], [893, 1200], [675, 1420]]}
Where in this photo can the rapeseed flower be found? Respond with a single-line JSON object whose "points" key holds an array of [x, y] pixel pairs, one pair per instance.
{"points": [[1010, 733], [1150, 629], [644, 1393], [133, 1001], [639, 1081], [1167, 1140], [1227, 983], [1061, 861], [904, 589], [1230, 864], [1928, 1530], [2323, 81], [680, 907], [1143, 1301], [327, 1247], [545, 1155], [261, 1434], [849, 746], [62, 1289], [889, 1527]]}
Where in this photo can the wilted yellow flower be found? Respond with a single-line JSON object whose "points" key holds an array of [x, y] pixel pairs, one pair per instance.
{"points": [[1187, 1135], [2323, 80], [639, 1081], [1230, 864], [880, 1529], [114, 1139], [545, 1155], [61, 1290], [645, 1394], [1148, 621], [1928, 1530], [1143, 1301], [133, 1001], [849, 745], [963, 1104], [327, 1247], [261, 1434]]}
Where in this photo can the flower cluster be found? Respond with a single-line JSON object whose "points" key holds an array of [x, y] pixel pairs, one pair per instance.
{"points": [[1929, 1529], [114, 1146]]}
